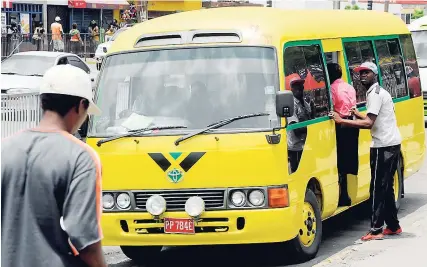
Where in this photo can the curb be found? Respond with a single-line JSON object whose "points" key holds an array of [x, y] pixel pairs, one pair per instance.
{"points": [[338, 257]]}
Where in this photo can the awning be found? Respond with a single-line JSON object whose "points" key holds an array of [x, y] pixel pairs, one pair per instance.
{"points": [[98, 4], [6, 4]]}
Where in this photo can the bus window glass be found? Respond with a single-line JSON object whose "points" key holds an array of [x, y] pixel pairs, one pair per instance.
{"points": [[411, 65], [357, 53], [306, 62], [391, 66]]}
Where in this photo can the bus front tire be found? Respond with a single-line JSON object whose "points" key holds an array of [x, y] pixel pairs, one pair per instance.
{"points": [[142, 254], [307, 243]]}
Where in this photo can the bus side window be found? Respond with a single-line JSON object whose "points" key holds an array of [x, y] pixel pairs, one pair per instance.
{"points": [[392, 67], [411, 65], [357, 53], [306, 62]]}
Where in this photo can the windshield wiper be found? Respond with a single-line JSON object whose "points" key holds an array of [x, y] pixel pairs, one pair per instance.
{"points": [[219, 124], [37, 75], [136, 132], [9, 73]]}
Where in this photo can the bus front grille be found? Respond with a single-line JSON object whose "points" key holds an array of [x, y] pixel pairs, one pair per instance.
{"points": [[175, 199]]}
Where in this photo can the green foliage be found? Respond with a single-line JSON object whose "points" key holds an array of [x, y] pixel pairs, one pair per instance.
{"points": [[353, 7], [418, 13]]}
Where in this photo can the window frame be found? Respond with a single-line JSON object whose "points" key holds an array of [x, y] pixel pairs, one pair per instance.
{"points": [[372, 39], [80, 61], [327, 81]]}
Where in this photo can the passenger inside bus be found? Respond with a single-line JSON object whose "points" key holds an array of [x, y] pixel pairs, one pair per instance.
{"points": [[302, 112], [344, 99]]}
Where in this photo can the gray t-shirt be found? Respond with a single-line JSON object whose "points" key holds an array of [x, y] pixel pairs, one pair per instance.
{"points": [[46, 176], [302, 112]]}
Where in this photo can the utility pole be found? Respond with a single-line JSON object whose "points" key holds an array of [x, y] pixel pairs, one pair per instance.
{"points": [[386, 5], [337, 4], [142, 10], [370, 4]]}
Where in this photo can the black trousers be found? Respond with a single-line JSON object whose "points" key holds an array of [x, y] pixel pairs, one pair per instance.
{"points": [[347, 149], [294, 158], [384, 162]]}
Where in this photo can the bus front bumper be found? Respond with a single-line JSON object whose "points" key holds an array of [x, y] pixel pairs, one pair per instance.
{"points": [[216, 227]]}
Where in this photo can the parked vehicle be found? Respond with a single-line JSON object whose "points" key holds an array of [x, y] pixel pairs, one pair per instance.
{"points": [[22, 72], [418, 29], [102, 49]]}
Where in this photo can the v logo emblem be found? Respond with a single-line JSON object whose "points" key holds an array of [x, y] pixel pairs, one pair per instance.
{"points": [[186, 164]]}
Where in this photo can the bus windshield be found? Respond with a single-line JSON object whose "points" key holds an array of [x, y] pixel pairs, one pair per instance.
{"points": [[189, 87], [420, 43]]}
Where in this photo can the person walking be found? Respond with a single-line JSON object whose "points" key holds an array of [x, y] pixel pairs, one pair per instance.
{"points": [[76, 40], [57, 32], [51, 181], [94, 34], [344, 99], [39, 36], [384, 154]]}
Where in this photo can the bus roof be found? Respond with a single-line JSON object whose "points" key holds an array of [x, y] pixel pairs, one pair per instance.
{"points": [[269, 26]]}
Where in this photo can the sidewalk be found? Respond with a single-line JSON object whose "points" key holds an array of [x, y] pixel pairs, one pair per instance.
{"points": [[407, 249]]}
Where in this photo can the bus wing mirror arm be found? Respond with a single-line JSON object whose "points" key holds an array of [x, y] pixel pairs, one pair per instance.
{"points": [[284, 104]]}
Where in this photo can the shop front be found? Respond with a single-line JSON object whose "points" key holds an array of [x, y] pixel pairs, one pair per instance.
{"points": [[24, 16], [101, 11]]}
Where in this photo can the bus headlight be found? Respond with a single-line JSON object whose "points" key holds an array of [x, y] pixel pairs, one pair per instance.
{"points": [[238, 198], [195, 206], [123, 201], [156, 205], [107, 201], [256, 198]]}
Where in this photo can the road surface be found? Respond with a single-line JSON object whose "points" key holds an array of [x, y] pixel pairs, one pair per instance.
{"points": [[338, 233]]}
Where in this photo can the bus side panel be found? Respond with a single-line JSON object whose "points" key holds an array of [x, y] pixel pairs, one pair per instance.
{"points": [[319, 161], [411, 125]]}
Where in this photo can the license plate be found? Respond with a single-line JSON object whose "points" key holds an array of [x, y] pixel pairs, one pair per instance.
{"points": [[179, 226]]}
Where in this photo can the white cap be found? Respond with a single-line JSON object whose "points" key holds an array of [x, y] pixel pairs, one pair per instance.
{"points": [[69, 80], [367, 66], [57, 18]]}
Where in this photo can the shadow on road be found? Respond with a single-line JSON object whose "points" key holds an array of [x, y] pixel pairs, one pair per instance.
{"points": [[339, 232]]}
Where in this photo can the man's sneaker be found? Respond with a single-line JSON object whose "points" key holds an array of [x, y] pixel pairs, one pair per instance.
{"points": [[390, 232], [370, 236]]}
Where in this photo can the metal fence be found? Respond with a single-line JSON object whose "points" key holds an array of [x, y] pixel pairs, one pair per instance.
{"points": [[19, 112], [14, 43], [23, 111]]}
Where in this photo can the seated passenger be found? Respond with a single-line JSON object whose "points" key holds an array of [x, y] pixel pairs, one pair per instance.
{"points": [[344, 99], [302, 112]]}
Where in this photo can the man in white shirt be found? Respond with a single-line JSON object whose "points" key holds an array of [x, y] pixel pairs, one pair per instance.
{"points": [[385, 151]]}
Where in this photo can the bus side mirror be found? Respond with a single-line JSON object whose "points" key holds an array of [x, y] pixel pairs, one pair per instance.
{"points": [[284, 104]]}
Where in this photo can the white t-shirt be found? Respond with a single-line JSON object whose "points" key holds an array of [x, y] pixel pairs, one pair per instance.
{"points": [[384, 131]]}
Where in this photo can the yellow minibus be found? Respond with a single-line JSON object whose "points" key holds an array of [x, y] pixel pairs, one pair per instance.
{"points": [[193, 137]]}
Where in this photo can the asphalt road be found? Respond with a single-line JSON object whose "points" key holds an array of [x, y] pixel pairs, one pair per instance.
{"points": [[338, 233]]}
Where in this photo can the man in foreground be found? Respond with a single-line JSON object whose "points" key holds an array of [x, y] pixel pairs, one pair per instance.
{"points": [[385, 151], [51, 182]]}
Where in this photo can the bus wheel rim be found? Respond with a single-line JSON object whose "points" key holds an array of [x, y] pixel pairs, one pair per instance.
{"points": [[307, 232]]}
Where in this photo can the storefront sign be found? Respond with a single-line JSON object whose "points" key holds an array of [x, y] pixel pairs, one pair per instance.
{"points": [[3, 22], [77, 3], [25, 23]]}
